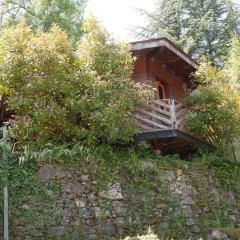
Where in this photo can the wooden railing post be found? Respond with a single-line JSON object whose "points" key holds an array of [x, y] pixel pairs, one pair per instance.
{"points": [[173, 113], [5, 131]]}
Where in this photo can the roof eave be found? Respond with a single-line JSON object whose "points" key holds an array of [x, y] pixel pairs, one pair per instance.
{"points": [[164, 42]]}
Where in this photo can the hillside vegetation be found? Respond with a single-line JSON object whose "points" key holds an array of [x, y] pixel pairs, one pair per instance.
{"points": [[72, 107]]}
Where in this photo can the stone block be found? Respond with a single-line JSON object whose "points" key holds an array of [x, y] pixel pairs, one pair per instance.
{"points": [[190, 222], [120, 208], [114, 192], [92, 236], [148, 165], [187, 201], [169, 176], [110, 228], [73, 188], [97, 212], [195, 229], [179, 172], [164, 225], [65, 221], [48, 172], [68, 212], [119, 223], [56, 231], [216, 235], [84, 178], [79, 203]]}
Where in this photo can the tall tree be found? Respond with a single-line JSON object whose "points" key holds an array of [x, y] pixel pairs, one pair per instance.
{"points": [[67, 14], [200, 27], [233, 63]]}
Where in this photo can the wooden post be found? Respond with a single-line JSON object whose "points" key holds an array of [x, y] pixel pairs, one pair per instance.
{"points": [[5, 203], [5, 193], [173, 113], [4, 129]]}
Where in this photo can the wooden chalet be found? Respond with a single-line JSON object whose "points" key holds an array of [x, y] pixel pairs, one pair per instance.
{"points": [[169, 70]]}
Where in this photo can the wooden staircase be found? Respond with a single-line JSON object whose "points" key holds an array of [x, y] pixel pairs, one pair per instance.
{"points": [[162, 114]]}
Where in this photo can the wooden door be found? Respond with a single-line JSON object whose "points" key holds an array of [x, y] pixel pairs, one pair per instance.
{"points": [[161, 91]]}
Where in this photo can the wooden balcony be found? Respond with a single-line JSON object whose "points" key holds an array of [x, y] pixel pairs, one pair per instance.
{"points": [[162, 123]]}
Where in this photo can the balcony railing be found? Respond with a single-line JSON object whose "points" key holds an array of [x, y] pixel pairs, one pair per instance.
{"points": [[162, 114]]}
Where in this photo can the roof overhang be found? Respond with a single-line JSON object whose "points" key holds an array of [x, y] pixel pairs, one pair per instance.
{"points": [[163, 42], [163, 51]]}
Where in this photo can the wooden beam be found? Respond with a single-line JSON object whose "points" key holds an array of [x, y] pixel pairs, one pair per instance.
{"points": [[162, 134], [174, 133], [166, 61]]}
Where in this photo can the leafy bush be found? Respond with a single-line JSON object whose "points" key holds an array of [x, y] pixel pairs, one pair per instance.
{"points": [[221, 167], [62, 95], [214, 107], [33, 200]]}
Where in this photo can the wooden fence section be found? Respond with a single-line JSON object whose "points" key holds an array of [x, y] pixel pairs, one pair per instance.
{"points": [[160, 115]]}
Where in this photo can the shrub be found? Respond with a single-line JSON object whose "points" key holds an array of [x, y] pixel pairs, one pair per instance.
{"points": [[62, 95], [214, 107]]}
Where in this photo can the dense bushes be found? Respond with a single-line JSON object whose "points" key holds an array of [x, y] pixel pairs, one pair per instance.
{"points": [[214, 107], [215, 103], [64, 95]]}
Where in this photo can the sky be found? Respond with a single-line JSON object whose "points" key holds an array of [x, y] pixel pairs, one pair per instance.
{"points": [[118, 15]]}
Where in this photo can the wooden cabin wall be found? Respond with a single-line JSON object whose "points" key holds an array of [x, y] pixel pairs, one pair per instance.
{"points": [[147, 71], [174, 85], [141, 72]]}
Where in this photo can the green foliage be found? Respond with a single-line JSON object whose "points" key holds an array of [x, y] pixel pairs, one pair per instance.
{"points": [[214, 107], [61, 95], [228, 173], [33, 200], [199, 27], [67, 14], [221, 167], [106, 163], [144, 187], [233, 63]]}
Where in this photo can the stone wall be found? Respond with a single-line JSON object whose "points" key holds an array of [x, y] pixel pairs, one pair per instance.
{"points": [[189, 202]]}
